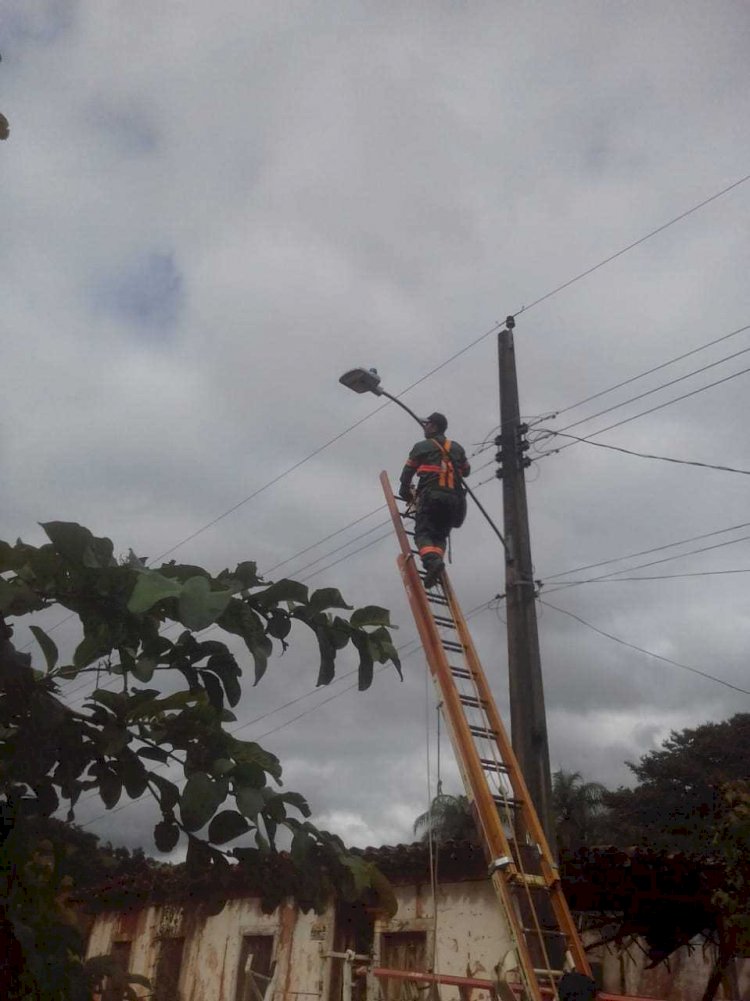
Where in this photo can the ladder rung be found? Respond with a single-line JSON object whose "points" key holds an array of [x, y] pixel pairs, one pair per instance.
{"points": [[547, 932], [550, 973], [436, 599], [443, 620], [509, 801], [529, 879], [461, 672], [472, 702], [493, 766], [482, 731], [452, 645]]}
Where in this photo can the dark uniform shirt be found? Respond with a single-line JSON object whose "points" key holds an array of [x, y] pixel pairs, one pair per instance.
{"points": [[429, 460]]}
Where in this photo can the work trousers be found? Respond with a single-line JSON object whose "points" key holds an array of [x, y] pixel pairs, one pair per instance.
{"points": [[436, 514]]}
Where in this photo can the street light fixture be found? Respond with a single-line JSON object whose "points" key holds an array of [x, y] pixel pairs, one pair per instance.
{"points": [[367, 380]]}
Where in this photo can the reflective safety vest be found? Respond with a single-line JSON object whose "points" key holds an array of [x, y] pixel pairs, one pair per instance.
{"points": [[437, 464]]}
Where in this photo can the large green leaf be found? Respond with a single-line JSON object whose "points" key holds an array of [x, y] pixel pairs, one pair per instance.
{"points": [[327, 668], [143, 668], [281, 590], [243, 577], [199, 801], [241, 620], [250, 801], [360, 872], [169, 794], [297, 800], [226, 826], [166, 835], [362, 643], [110, 787], [371, 615], [78, 545], [150, 588], [199, 606], [17, 598], [47, 645], [327, 597]]}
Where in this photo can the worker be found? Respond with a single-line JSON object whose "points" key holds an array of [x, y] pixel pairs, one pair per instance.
{"points": [[440, 501]]}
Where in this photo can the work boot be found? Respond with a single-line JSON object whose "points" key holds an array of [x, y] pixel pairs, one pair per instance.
{"points": [[433, 572]]}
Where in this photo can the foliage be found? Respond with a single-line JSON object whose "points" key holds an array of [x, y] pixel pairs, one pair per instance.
{"points": [[678, 799], [731, 842], [579, 812], [448, 819], [120, 742]]}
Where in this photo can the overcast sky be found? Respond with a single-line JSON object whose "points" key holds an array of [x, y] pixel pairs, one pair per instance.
{"points": [[209, 211]]}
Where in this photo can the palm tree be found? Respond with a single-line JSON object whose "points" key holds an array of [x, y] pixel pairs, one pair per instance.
{"points": [[452, 820], [579, 809]]}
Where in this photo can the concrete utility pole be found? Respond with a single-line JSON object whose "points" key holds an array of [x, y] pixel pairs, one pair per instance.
{"points": [[528, 722]]}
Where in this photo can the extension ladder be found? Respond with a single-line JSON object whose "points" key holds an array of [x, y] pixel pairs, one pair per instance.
{"points": [[521, 867]]}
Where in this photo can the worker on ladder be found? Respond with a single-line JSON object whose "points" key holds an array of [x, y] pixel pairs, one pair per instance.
{"points": [[440, 501]]}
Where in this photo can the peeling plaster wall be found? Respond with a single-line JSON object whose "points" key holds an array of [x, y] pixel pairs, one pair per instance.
{"points": [[471, 934], [212, 945], [470, 939]]}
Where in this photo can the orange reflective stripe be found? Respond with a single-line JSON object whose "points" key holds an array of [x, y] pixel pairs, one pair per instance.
{"points": [[446, 467], [429, 469], [431, 549]]}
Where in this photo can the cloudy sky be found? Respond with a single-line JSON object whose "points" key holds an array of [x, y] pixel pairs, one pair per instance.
{"points": [[209, 211]]}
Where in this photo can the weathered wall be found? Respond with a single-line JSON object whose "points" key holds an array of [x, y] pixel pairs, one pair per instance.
{"points": [[469, 939]]}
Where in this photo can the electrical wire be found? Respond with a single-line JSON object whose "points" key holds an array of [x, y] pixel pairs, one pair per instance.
{"points": [[649, 653], [656, 389], [653, 563], [647, 552], [666, 576], [650, 371], [649, 455], [643, 413], [637, 243]]}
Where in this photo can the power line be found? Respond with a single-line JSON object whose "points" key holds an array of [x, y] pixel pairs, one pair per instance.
{"points": [[653, 563], [649, 653], [647, 552], [649, 455], [665, 576], [656, 389], [644, 413], [637, 243], [650, 371], [326, 538]]}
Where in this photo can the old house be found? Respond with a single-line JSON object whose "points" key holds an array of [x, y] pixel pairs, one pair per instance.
{"points": [[164, 927]]}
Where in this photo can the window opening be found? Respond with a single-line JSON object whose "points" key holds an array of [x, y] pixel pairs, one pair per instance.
{"points": [[255, 967]]}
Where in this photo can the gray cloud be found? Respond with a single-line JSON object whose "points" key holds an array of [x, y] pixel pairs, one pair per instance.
{"points": [[256, 200]]}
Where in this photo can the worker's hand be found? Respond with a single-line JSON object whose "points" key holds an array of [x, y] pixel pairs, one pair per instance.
{"points": [[406, 494]]}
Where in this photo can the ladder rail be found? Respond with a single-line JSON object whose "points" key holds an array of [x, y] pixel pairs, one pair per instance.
{"points": [[530, 817], [509, 878]]}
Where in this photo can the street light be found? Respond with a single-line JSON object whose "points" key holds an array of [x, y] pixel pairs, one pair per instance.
{"points": [[367, 380]]}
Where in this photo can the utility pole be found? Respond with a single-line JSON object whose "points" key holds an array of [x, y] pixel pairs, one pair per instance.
{"points": [[528, 720]]}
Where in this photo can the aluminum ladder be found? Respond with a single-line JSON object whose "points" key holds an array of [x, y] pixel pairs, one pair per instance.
{"points": [[521, 867]]}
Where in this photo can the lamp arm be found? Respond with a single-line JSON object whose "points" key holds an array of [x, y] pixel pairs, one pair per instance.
{"points": [[395, 399]]}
